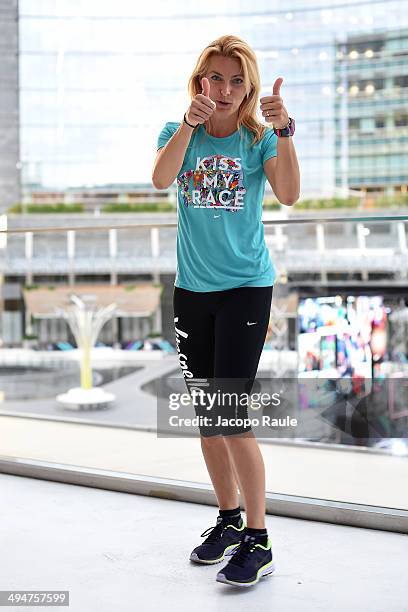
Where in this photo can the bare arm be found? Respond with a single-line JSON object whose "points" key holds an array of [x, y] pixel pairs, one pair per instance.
{"points": [[283, 173], [170, 158]]}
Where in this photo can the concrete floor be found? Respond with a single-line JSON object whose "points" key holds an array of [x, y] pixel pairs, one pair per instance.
{"points": [[121, 552]]}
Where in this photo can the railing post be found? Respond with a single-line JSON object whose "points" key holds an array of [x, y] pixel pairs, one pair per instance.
{"points": [[361, 240], [402, 241], [280, 238], [71, 256], [321, 248], [29, 256], [3, 245], [113, 252]]}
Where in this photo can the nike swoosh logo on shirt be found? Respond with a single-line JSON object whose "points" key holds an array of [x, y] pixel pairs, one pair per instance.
{"points": [[248, 323]]}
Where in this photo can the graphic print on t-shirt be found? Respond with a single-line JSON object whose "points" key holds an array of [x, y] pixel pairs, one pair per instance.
{"points": [[217, 181]]}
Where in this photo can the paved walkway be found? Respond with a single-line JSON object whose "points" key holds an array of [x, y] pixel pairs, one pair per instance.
{"points": [[123, 552]]}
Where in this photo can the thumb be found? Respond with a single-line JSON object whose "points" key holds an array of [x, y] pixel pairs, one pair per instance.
{"points": [[277, 86], [205, 84]]}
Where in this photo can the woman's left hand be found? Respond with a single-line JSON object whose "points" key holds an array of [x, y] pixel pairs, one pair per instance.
{"points": [[273, 109]]}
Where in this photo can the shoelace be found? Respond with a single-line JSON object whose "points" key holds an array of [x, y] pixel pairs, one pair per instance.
{"points": [[242, 553], [214, 533]]}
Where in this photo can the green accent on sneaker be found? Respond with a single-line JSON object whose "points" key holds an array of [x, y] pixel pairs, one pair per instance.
{"points": [[237, 528], [267, 547], [270, 564], [218, 559], [228, 548]]}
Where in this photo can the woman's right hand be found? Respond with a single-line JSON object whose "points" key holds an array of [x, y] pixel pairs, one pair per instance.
{"points": [[201, 107]]}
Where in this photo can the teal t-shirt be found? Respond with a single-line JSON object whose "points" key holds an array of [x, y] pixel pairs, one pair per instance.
{"points": [[220, 189]]}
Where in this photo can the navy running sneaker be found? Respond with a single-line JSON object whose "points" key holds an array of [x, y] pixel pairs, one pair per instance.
{"points": [[249, 562], [223, 538]]}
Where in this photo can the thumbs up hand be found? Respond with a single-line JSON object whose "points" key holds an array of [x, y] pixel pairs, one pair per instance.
{"points": [[205, 84], [201, 107], [273, 109]]}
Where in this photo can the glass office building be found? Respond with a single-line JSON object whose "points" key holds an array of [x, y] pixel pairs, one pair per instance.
{"points": [[371, 112], [98, 80]]}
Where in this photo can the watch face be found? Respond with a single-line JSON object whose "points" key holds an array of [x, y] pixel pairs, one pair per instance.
{"points": [[291, 128]]}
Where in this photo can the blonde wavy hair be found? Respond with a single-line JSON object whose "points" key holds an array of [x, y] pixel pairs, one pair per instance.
{"points": [[233, 46]]}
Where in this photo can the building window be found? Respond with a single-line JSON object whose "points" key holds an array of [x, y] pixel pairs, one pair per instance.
{"points": [[354, 124], [401, 81], [401, 119]]}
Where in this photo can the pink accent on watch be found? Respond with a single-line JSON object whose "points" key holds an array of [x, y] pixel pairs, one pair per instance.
{"points": [[288, 130]]}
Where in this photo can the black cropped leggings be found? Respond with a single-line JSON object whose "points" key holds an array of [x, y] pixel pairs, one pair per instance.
{"points": [[220, 336]]}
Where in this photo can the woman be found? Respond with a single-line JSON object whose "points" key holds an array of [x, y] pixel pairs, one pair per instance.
{"points": [[221, 156]]}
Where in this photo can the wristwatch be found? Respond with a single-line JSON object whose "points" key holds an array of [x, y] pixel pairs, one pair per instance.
{"points": [[288, 130]]}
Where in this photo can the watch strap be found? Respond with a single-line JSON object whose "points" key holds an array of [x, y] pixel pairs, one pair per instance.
{"points": [[288, 130]]}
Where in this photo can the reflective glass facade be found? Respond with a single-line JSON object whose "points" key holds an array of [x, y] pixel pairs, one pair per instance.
{"points": [[372, 119], [99, 79]]}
